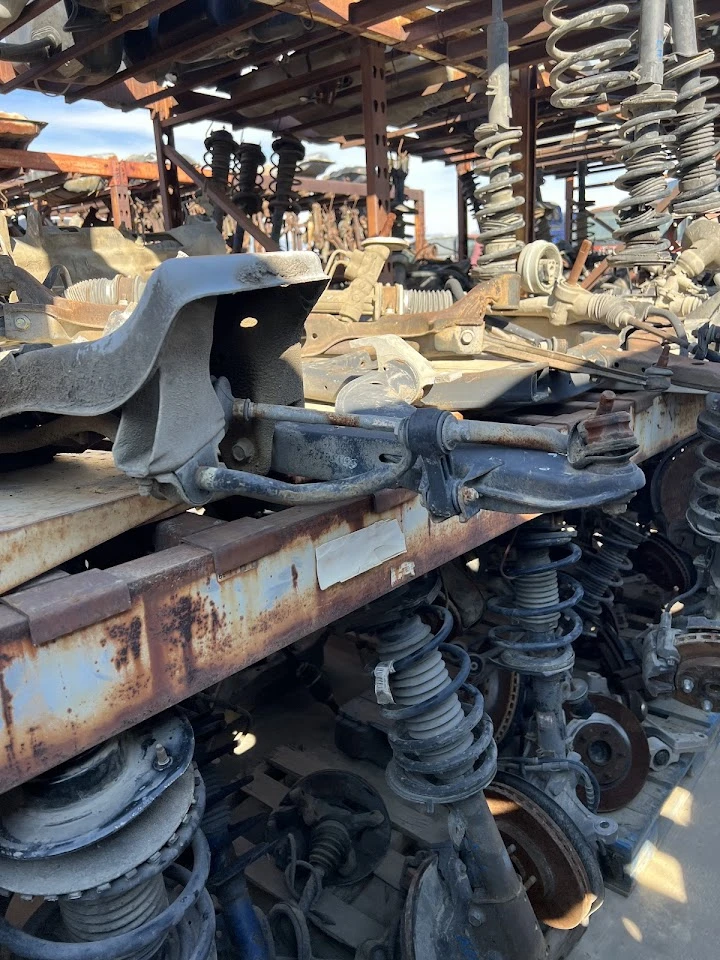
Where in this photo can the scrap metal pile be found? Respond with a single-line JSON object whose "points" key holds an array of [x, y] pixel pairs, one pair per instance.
{"points": [[519, 696]]}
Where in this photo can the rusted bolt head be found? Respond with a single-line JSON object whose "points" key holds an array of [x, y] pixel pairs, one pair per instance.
{"points": [[662, 360]]}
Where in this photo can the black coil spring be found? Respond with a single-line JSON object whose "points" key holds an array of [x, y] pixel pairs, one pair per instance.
{"points": [[443, 750], [545, 625], [468, 187], [588, 76], [603, 566], [247, 181], [697, 146], [288, 153], [219, 149], [646, 158], [497, 210], [703, 513]]}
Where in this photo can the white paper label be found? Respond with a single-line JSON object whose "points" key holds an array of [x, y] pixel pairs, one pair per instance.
{"points": [[346, 557], [383, 693]]}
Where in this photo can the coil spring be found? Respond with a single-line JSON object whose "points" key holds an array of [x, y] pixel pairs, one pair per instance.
{"points": [[288, 154], [697, 146], [601, 570], [645, 155], [219, 149], [703, 512], [468, 186], [594, 78], [545, 625], [497, 206], [443, 751], [247, 183]]}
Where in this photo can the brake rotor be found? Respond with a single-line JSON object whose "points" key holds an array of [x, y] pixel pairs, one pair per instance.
{"points": [[664, 565], [613, 746], [501, 691], [697, 678], [548, 864]]}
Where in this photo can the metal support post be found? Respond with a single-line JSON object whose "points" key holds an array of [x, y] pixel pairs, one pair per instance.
{"points": [[569, 207], [420, 237], [169, 185], [524, 112], [462, 213], [120, 195], [582, 216], [374, 102]]}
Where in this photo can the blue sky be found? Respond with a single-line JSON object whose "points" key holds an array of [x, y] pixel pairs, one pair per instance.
{"points": [[89, 128]]}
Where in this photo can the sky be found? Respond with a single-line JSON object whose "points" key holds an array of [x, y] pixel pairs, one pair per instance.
{"points": [[91, 129]]}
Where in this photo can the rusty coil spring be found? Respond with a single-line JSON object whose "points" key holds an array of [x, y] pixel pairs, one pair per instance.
{"points": [[604, 564], [645, 153], [497, 211], [588, 76], [703, 513], [697, 145]]}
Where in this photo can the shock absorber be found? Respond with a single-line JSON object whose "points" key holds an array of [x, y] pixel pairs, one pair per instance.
{"points": [[219, 149], [247, 185], [703, 513], [444, 753], [468, 187], [288, 154], [97, 839], [696, 143], [497, 213], [645, 150]]}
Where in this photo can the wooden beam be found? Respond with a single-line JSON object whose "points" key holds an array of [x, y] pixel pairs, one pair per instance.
{"points": [[219, 199]]}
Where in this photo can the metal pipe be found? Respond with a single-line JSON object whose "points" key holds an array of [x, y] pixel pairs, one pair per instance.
{"points": [[547, 439]]}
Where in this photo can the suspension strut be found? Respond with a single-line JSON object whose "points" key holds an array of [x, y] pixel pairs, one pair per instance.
{"points": [[645, 150], [220, 147], [444, 753], [288, 152], [538, 645], [97, 839], [696, 143], [605, 561], [497, 214], [247, 185], [703, 513]]}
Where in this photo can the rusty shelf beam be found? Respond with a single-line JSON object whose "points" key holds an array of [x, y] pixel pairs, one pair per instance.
{"points": [[374, 113], [365, 13], [90, 42], [277, 89], [69, 164], [165, 57], [213, 74]]}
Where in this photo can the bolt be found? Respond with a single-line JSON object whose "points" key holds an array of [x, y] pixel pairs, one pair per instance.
{"points": [[466, 337], [468, 494], [688, 685], [22, 323], [606, 403], [707, 706], [662, 360], [476, 916], [243, 449], [162, 757]]}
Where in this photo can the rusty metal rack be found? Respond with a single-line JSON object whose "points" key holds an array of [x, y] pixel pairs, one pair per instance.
{"points": [[365, 66]]}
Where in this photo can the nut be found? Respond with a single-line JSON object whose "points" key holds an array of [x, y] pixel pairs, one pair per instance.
{"points": [[688, 685], [466, 337], [22, 323], [243, 449], [707, 706]]}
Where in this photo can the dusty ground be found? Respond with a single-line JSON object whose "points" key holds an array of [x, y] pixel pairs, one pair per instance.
{"points": [[674, 910]]}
